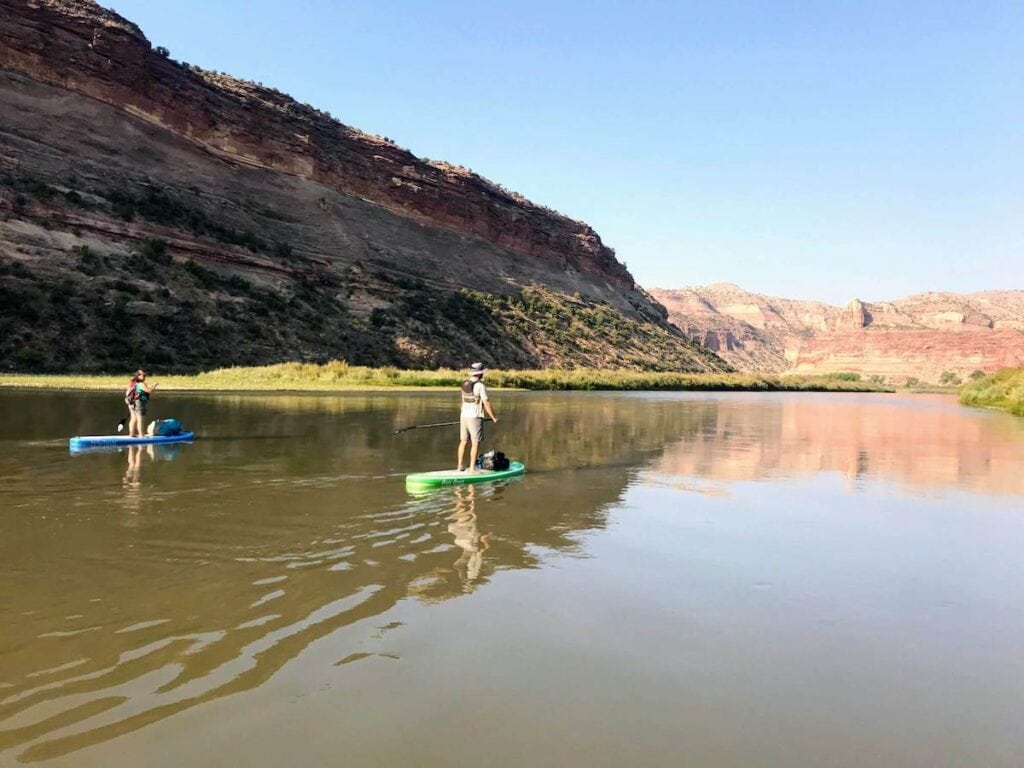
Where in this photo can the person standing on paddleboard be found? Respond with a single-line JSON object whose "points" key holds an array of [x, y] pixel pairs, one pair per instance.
{"points": [[137, 398], [475, 404]]}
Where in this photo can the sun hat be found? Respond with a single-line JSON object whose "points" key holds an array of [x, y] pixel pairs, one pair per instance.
{"points": [[477, 369]]}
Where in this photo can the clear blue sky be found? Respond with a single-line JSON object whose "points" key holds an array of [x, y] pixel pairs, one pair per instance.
{"points": [[813, 150]]}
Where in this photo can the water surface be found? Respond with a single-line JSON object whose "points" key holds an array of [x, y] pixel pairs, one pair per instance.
{"points": [[680, 579]]}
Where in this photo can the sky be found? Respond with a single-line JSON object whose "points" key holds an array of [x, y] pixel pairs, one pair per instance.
{"points": [[810, 150]]}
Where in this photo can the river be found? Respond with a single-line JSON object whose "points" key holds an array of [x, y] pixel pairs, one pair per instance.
{"points": [[685, 579]]}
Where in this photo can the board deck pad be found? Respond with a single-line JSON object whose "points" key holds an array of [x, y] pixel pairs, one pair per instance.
{"points": [[448, 477]]}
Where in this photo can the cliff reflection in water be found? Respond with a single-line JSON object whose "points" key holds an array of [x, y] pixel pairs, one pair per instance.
{"points": [[135, 589], [928, 443]]}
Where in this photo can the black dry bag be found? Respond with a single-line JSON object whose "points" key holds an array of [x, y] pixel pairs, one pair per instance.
{"points": [[494, 460]]}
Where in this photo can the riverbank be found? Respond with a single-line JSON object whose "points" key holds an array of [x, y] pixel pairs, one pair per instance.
{"points": [[1003, 390], [338, 376]]}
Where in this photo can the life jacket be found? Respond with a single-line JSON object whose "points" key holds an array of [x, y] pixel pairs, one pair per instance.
{"points": [[132, 393], [468, 396]]}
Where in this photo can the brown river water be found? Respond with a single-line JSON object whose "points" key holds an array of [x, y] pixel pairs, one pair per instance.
{"points": [[678, 580]]}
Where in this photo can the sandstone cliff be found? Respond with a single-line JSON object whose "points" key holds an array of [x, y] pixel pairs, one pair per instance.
{"points": [[148, 202], [929, 336]]}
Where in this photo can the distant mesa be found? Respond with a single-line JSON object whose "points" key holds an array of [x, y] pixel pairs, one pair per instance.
{"points": [[931, 337]]}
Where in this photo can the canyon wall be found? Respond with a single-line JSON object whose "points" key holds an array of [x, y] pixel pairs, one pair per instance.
{"points": [[155, 213], [929, 336], [86, 49]]}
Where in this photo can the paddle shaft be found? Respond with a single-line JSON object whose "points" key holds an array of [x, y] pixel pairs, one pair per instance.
{"points": [[427, 426]]}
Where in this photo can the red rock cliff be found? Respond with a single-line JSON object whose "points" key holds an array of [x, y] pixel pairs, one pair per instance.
{"points": [[922, 336], [89, 50]]}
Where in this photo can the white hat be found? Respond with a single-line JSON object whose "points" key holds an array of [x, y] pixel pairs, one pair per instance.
{"points": [[477, 369]]}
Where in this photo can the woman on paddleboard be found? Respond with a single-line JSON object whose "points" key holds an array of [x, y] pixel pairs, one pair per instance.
{"points": [[475, 404], [137, 398]]}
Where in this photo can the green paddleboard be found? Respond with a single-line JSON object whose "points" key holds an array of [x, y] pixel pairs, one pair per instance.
{"points": [[446, 477]]}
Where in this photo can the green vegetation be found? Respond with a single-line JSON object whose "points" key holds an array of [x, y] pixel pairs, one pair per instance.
{"points": [[528, 329], [111, 311], [1004, 390], [949, 379], [338, 375]]}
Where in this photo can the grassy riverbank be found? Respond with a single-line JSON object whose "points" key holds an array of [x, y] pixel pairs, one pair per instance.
{"points": [[1003, 390], [338, 376]]}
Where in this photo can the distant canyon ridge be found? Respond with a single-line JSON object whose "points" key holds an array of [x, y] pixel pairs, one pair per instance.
{"points": [[931, 337]]}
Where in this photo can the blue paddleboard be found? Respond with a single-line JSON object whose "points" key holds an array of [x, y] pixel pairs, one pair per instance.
{"points": [[92, 441]]}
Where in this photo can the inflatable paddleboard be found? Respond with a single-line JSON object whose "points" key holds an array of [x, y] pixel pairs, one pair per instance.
{"points": [[92, 441], [446, 477]]}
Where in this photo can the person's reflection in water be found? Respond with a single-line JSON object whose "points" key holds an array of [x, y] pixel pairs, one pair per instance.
{"points": [[133, 473], [467, 535], [132, 482]]}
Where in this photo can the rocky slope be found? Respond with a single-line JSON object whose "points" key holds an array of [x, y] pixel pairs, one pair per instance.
{"points": [[153, 212], [930, 336]]}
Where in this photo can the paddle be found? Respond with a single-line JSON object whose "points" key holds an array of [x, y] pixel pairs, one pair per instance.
{"points": [[425, 426], [120, 425]]}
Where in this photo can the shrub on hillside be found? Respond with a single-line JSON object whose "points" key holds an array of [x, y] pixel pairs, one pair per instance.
{"points": [[155, 251], [29, 359], [949, 379]]}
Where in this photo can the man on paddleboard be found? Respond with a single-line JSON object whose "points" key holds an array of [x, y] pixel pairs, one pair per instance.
{"points": [[475, 404]]}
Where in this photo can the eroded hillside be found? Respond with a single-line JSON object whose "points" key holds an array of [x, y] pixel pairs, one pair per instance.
{"points": [[152, 212]]}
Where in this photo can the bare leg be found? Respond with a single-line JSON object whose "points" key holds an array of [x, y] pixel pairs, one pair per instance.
{"points": [[462, 452], [472, 455], [134, 425]]}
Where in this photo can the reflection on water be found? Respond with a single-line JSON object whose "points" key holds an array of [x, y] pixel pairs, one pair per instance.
{"points": [[225, 623], [463, 527], [463, 524], [138, 584]]}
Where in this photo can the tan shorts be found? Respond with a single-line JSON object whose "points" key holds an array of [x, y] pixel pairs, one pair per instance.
{"points": [[471, 428]]}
